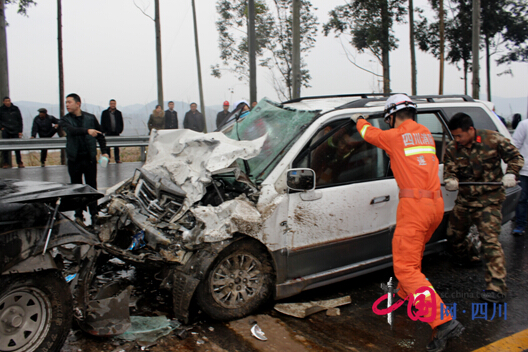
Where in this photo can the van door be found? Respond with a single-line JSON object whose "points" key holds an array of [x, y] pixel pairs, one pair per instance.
{"points": [[346, 220]]}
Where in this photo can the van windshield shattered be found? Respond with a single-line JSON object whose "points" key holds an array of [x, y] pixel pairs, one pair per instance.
{"points": [[282, 126]]}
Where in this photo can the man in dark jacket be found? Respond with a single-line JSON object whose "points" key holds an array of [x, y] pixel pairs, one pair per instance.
{"points": [[194, 120], [82, 130], [46, 127], [112, 125], [12, 125], [171, 117], [221, 117]]}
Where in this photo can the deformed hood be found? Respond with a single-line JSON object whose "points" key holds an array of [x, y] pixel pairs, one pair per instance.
{"points": [[72, 195], [189, 158]]}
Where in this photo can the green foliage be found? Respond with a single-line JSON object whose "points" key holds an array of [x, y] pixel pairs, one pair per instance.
{"points": [[505, 26], [282, 47], [457, 34], [274, 40], [365, 21], [22, 5], [516, 35]]}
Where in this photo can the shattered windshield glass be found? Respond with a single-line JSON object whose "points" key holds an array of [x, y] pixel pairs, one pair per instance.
{"points": [[282, 125]]}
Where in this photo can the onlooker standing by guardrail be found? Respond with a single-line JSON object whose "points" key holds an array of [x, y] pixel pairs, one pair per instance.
{"points": [[221, 117], [82, 129], [46, 127], [12, 126], [171, 117], [157, 119], [112, 125], [194, 120]]}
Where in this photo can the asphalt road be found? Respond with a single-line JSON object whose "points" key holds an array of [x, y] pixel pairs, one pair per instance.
{"points": [[106, 177], [356, 328]]}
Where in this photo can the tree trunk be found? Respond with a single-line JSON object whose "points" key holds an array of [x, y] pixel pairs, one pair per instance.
{"points": [[296, 50], [411, 44], [4, 75], [465, 76], [252, 49], [61, 77], [385, 47], [158, 51], [475, 48], [488, 76], [198, 65], [441, 16]]}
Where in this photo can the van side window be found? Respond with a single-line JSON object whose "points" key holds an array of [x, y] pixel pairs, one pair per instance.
{"points": [[480, 118], [339, 155], [441, 136]]}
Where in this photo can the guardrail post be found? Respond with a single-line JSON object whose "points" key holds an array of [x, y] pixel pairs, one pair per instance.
{"points": [[143, 156]]}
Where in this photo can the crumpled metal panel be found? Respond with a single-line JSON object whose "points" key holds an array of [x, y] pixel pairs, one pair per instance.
{"points": [[189, 158], [72, 195], [230, 217], [108, 314]]}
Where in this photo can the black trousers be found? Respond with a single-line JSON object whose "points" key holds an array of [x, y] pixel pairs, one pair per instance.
{"points": [[116, 149], [6, 153], [43, 155], [116, 153], [88, 168]]}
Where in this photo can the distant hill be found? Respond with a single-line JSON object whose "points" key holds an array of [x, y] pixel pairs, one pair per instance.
{"points": [[135, 116]]}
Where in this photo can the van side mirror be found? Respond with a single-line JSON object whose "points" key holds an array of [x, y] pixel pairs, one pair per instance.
{"points": [[301, 179]]}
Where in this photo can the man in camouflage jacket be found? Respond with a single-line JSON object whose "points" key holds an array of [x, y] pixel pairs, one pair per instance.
{"points": [[475, 156]]}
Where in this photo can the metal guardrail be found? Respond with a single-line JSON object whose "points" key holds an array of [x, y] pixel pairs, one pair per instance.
{"points": [[60, 143]]}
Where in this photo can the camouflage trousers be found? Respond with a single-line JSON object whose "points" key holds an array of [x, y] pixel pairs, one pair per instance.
{"points": [[488, 221]]}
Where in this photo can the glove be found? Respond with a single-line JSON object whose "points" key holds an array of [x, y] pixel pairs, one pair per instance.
{"points": [[356, 117], [451, 184], [508, 180]]}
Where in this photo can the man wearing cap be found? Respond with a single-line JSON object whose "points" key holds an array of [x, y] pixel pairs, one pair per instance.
{"points": [[222, 115], [46, 126], [171, 117], [112, 125], [194, 120], [412, 152], [11, 124]]}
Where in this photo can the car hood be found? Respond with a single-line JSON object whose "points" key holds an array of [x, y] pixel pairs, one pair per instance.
{"points": [[72, 195], [189, 159]]}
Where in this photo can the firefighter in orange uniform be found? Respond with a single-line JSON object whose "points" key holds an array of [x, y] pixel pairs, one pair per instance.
{"points": [[411, 149]]}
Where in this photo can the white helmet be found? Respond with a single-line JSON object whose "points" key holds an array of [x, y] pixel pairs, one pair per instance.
{"points": [[397, 102]]}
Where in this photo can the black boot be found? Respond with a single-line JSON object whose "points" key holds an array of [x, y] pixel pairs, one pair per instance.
{"points": [[442, 333]]}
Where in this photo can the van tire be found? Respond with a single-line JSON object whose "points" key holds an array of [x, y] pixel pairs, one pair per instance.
{"points": [[240, 280]]}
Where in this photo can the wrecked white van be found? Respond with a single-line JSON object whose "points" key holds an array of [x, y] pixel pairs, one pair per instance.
{"points": [[286, 199]]}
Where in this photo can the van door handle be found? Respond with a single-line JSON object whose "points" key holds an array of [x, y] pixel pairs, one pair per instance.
{"points": [[379, 200]]}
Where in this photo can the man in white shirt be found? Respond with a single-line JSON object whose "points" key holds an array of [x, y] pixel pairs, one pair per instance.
{"points": [[520, 141]]}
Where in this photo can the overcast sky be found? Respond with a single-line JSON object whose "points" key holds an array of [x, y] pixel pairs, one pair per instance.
{"points": [[109, 52]]}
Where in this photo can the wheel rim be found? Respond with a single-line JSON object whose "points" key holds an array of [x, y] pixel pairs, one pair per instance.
{"points": [[24, 314], [236, 280]]}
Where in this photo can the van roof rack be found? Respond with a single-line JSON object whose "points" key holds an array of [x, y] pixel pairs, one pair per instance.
{"points": [[431, 98], [361, 95], [366, 98]]}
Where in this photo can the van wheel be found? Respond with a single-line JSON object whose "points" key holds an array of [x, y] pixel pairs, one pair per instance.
{"points": [[240, 281], [35, 312]]}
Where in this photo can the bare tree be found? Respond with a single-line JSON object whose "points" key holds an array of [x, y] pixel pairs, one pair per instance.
{"points": [[157, 26]]}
